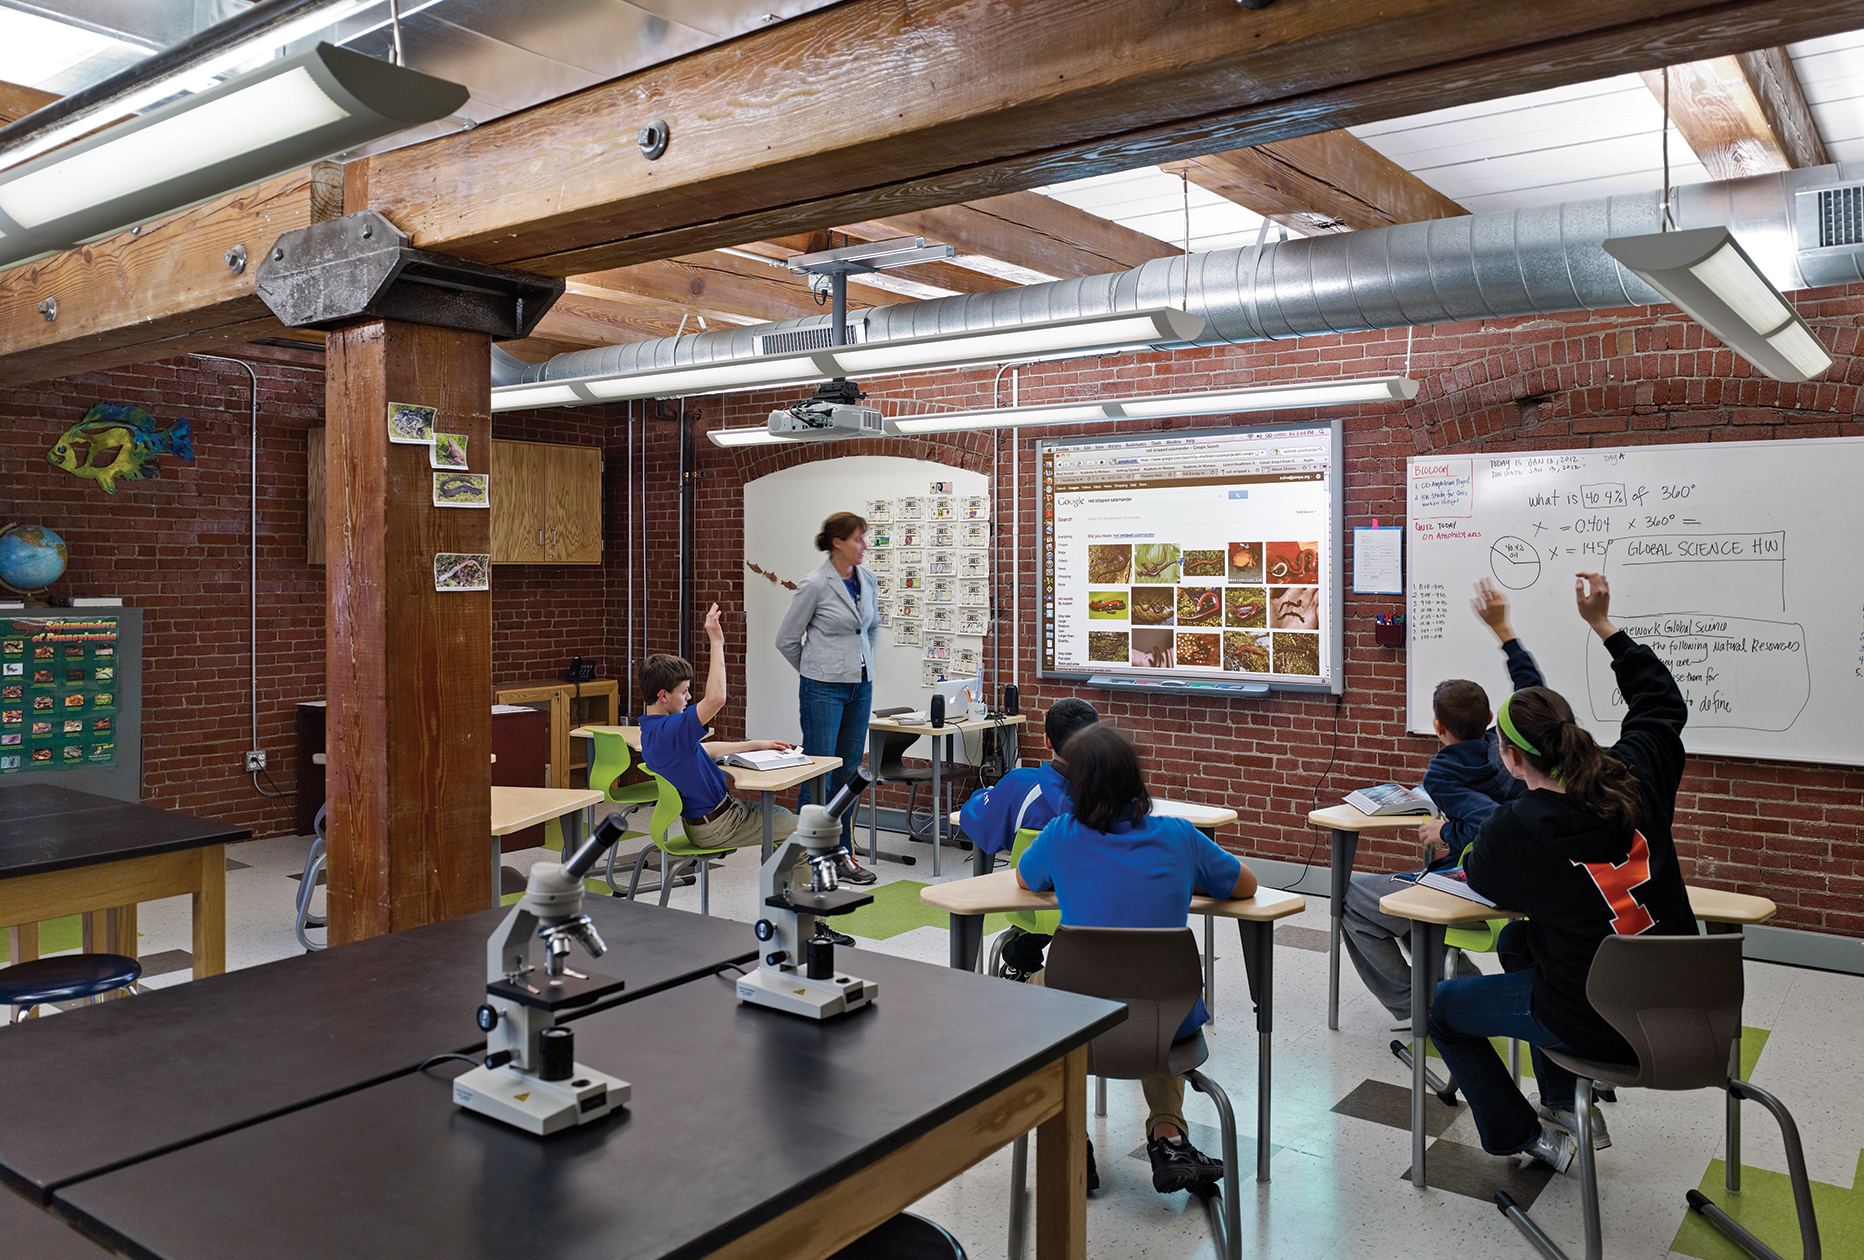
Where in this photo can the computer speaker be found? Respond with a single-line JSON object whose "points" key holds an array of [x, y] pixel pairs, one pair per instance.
{"points": [[938, 709], [1011, 698]]}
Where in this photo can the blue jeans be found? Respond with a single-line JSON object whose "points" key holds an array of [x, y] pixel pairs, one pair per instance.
{"points": [[1464, 1014], [835, 725]]}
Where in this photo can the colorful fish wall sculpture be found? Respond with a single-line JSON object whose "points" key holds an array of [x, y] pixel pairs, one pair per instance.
{"points": [[118, 440]]}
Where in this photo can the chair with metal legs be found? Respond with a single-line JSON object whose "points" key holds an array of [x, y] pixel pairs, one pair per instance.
{"points": [[667, 808], [1158, 974], [1677, 1000], [307, 884]]}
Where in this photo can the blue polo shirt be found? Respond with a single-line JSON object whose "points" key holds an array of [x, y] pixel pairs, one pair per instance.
{"points": [[989, 817], [1140, 874], [670, 748]]}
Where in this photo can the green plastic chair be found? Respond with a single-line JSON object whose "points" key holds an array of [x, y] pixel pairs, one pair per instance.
{"points": [[667, 808], [609, 759], [1039, 922]]}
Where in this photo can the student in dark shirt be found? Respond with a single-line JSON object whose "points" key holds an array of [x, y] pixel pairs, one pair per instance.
{"points": [[1467, 780], [1586, 853]]}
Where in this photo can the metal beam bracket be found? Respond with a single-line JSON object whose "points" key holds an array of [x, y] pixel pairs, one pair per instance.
{"points": [[361, 266]]}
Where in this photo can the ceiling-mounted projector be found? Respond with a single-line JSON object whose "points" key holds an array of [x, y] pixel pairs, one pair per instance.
{"points": [[833, 411], [824, 420]]}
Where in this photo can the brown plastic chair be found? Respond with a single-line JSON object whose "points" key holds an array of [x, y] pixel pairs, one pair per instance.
{"points": [[1677, 1000], [1159, 975]]}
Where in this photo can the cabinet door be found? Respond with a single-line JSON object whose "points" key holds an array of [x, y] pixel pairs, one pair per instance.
{"points": [[574, 515], [518, 532]]}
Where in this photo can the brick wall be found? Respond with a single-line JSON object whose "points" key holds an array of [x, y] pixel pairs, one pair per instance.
{"points": [[177, 547], [1633, 376]]}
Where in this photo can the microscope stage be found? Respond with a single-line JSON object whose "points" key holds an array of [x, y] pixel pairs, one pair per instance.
{"points": [[556, 993], [801, 900]]}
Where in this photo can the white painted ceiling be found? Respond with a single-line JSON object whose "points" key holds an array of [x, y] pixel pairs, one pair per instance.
{"points": [[1593, 139]]}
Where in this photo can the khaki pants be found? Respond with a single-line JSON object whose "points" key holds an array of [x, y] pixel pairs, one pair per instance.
{"points": [[1164, 1095], [740, 826]]}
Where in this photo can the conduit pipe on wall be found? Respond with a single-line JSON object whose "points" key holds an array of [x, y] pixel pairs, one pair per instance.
{"points": [[1540, 261], [252, 565]]}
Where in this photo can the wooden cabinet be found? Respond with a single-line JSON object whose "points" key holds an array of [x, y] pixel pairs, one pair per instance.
{"points": [[569, 705], [546, 503]]}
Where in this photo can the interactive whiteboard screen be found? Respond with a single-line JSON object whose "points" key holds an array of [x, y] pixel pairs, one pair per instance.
{"points": [[1195, 560]]}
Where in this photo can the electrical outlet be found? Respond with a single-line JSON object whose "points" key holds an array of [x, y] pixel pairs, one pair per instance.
{"points": [[255, 761]]}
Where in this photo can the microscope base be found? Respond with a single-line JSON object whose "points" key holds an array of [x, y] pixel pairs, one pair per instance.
{"points": [[799, 995], [537, 1106]]}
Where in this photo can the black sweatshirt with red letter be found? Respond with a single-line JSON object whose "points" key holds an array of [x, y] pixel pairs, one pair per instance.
{"points": [[1578, 880]]}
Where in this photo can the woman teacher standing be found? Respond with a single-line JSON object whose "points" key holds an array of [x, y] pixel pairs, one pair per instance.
{"points": [[828, 637]]}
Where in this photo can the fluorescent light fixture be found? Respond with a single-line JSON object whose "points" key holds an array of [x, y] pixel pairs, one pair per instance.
{"points": [[195, 73], [1215, 402], [1155, 328], [278, 118], [758, 436], [1707, 274]]}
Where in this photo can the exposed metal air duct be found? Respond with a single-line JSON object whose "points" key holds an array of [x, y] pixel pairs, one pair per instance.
{"points": [[1798, 226]]}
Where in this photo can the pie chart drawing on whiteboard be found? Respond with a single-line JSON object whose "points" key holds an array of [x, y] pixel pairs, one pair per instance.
{"points": [[1514, 562]]}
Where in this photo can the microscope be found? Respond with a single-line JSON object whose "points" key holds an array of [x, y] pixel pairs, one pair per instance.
{"points": [[530, 1078], [798, 973]]}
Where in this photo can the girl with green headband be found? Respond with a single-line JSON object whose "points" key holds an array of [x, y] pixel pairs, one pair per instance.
{"points": [[1587, 852]]}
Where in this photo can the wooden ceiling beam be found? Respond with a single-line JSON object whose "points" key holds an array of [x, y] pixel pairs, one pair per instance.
{"points": [[1330, 182], [984, 100], [161, 290], [774, 133], [17, 100], [715, 285], [596, 317], [1743, 114], [1030, 232]]}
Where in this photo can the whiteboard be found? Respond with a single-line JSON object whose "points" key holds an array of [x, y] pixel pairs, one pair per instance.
{"points": [[782, 513], [1736, 562]]}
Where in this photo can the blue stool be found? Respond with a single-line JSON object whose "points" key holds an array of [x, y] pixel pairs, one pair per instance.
{"points": [[64, 978], [904, 1237]]}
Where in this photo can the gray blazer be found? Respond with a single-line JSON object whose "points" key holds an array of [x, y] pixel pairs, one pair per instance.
{"points": [[824, 635]]}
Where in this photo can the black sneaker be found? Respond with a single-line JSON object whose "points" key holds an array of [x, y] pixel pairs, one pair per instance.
{"points": [[1177, 1165], [1093, 1173], [834, 937], [849, 871]]}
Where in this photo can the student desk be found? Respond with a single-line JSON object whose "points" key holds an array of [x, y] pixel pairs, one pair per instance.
{"points": [[66, 852], [1428, 907], [1345, 823], [766, 783], [516, 809], [1206, 818], [111, 1084], [969, 900], [941, 753], [750, 1133]]}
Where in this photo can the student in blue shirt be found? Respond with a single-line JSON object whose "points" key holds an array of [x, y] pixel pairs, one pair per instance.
{"points": [[673, 747], [1112, 863], [1027, 797]]}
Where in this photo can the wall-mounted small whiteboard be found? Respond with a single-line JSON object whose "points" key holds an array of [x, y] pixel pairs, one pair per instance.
{"points": [[1737, 562]]}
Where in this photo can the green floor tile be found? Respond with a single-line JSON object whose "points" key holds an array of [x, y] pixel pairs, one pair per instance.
{"points": [[1765, 1206], [896, 908], [55, 935], [1752, 1041]]}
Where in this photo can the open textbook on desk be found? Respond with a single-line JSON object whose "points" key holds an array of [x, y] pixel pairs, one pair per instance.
{"points": [[766, 759], [1390, 798]]}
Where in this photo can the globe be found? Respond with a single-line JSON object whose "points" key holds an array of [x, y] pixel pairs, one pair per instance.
{"points": [[32, 557]]}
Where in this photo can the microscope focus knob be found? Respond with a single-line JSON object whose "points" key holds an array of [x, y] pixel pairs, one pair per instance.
{"points": [[486, 1017], [765, 929]]}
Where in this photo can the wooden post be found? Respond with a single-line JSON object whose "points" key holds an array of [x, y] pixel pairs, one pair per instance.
{"points": [[409, 669]]}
